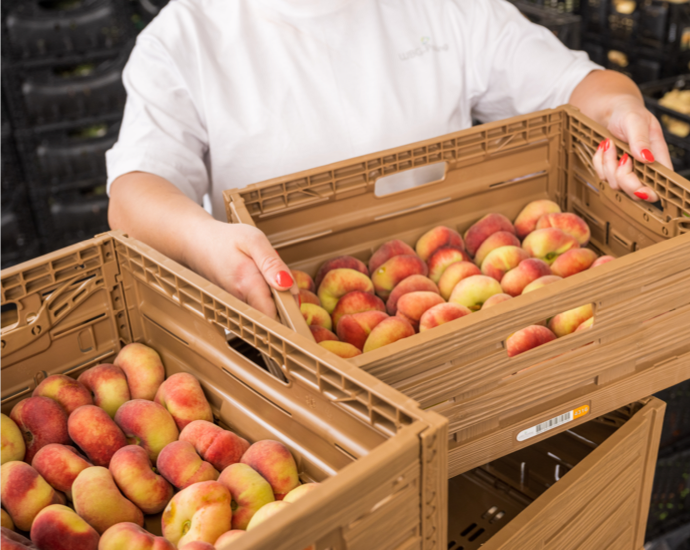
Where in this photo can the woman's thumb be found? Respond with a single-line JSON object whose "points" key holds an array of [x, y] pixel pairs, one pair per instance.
{"points": [[274, 270]]}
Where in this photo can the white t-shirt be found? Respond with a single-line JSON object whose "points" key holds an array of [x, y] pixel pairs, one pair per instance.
{"points": [[225, 93]]}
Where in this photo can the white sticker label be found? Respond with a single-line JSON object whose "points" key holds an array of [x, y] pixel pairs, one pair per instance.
{"points": [[552, 423]]}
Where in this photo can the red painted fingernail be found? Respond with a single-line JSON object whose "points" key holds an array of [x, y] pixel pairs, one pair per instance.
{"points": [[601, 145], [623, 160], [647, 154], [607, 143], [642, 195], [299, 300], [284, 279]]}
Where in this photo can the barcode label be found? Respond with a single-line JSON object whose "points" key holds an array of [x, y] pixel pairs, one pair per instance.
{"points": [[552, 423]]}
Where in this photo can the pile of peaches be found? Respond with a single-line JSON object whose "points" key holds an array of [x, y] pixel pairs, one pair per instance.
{"points": [[352, 308], [84, 460]]}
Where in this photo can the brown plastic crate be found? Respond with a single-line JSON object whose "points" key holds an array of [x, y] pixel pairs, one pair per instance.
{"points": [[381, 459], [639, 342]]}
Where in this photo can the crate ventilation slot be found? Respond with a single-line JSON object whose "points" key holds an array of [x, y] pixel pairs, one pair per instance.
{"points": [[518, 179]]}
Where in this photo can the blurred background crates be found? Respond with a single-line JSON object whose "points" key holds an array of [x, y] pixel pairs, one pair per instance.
{"points": [[555, 17]]}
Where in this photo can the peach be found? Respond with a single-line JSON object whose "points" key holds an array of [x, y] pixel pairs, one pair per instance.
{"points": [[6, 520], [541, 282], [356, 302], [143, 368], [412, 283], [438, 237], [147, 424], [585, 324], [388, 250], [497, 240], [57, 527], [60, 465], [569, 223], [129, 536], [269, 510], [274, 462], [568, 321], [573, 261], [108, 384], [496, 299], [528, 338], [201, 512], [182, 396], [13, 446], [320, 334], [412, 305], [347, 262], [338, 282], [602, 260], [484, 228], [316, 316], [96, 433], [548, 243], [249, 492], [473, 291], [502, 260], [215, 445], [527, 271], [308, 297], [41, 421], [299, 492], [442, 259], [341, 349], [453, 274], [388, 275], [98, 500], [180, 464], [527, 219], [197, 545], [388, 331], [354, 329], [441, 314], [65, 390], [133, 473], [303, 280], [24, 493], [15, 541], [227, 537]]}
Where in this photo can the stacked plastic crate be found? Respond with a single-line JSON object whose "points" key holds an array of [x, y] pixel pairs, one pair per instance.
{"points": [[559, 16]]}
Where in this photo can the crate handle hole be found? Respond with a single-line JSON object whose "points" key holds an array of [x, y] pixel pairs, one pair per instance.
{"points": [[10, 315], [410, 179]]}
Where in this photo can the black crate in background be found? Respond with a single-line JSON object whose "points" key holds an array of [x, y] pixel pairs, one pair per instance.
{"points": [[565, 26], [143, 11], [560, 6], [675, 435], [670, 503]]}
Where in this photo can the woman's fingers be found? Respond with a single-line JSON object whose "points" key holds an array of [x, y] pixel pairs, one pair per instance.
{"points": [[628, 181], [610, 164], [658, 144]]}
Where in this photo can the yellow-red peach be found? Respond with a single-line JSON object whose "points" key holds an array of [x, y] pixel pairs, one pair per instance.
{"points": [[249, 492], [347, 262], [6, 520], [548, 243], [570, 223], [14, 541], [143, 368], [316, 315], [413, 305], [129, 536], [303, 280], [386, 251], [355, 329], [13, 446], [541, 282], [200, 512], [320, 334], [197, 545], [413, 283], [133, 473], [274, 462], [528, 270], [473, 291], [341, 349], [41, 421], [453, 274], [484, 228], [602, 260], [24, 493], [528, 338], [96, 433], [109, 387], [585, 324], [271, 509], [180, 464], [442, 259], [527, 219], [441, 314], [573, 261], [388, 275], [502, 260], [496, 299], [356, 302], [497, 240], [219, 447], [58, 527], [388, 331], [338, 282], [308, 297], [228, 537], [300, 491], [568, 321], [60, 465], [183, 397], [147, 424], [438, 237], [67, 391]]}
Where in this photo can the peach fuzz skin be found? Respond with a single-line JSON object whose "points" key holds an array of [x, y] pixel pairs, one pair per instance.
{"points": [[6, 520], [355, 329], [527, 271], [501, 261], [13, 446], [341, 349], [473, 291], [41, 421], [143, 368], [346, 262], [274, 462], [573, 261], [265, 513], [442, 259], [441, 314], [229, 536], [316, 316], [497, 240], [109, 387], [388, 331], [355, 302], [129, 536], [569, 223], [321, 334], [602, 260], [180, 464], [436, 238], [453, 274], [339, 282], [60, 465], [15, 541], [412, 283], [182, 396], [413, 305], [197, 545], [249, 492], [387, 276], [484, 228], [303, 280], [568, 321], [527, 219], [386, 251], [541, 282], [548, 243], [585, 324], [59, 528], [147, 424], [96, 433], [217, 446], [496, 299], [308, 297], [528, 338], [65, 390]]}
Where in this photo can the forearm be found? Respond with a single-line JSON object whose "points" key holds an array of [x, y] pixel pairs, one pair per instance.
{"points": [[600, 92]]}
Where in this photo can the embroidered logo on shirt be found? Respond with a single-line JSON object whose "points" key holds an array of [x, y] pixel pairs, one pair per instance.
{"points": [[427, 46]]}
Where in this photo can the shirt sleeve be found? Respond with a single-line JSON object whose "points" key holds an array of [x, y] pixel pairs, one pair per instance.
{"points": [[516, 66], [162, 132]]}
